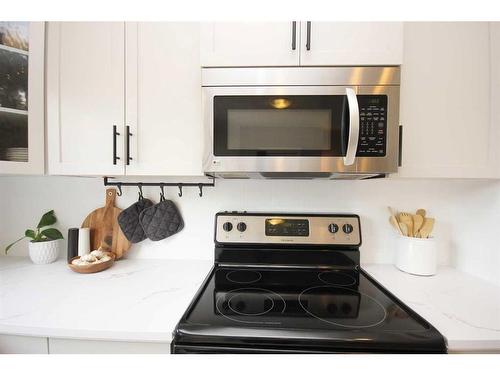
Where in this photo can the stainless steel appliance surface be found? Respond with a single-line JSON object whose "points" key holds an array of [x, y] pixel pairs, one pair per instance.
{"points": [[301, 122], [292, 283]]}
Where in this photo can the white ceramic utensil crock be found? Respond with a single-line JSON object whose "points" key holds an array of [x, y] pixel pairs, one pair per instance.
{"points": [[44, 252], [417, 256]]}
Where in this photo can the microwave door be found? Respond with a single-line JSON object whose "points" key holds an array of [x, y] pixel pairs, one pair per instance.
{"points": [[353, 127], [280, 130]]}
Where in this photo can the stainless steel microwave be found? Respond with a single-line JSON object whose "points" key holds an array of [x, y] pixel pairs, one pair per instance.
{"points": [[301, 122]]}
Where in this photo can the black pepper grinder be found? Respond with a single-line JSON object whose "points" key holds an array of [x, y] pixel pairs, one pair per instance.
{"points": [[72, 243]]}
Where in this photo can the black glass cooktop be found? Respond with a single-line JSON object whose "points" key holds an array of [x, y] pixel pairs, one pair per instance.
{"points": [[345, 309]]}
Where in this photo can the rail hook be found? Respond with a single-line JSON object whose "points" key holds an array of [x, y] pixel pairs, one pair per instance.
{"points": [[120, 193], [180, 189], [200, 186], [162, 193], [139, 185]]}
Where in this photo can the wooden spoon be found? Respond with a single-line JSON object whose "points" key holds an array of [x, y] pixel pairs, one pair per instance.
{"points": [[407, 219], [395, 224], [417, 224], [421, 212], [426, 229]]}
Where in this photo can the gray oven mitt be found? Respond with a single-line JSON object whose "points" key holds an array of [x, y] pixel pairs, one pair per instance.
{"points": [[129, 222], [161, 220]]}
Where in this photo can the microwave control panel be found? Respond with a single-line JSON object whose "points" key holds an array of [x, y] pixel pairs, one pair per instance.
{"points": [[372, 125]]}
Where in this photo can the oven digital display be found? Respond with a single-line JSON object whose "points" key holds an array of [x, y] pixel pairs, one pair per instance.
{"points": [[287, 227]]}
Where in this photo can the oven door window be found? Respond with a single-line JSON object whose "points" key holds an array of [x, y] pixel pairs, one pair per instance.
{"points": [[280, 125]]}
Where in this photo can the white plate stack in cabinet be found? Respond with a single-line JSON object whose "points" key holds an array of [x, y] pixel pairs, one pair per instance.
{"points": [[26, 155]]}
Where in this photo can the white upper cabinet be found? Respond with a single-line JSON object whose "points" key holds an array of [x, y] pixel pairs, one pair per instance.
{"points": [[22, 132], [351, 43], [85, 97], [142, 78], [301, 43], [445, 101], [163, 102], [250, 43], [495, 93]]}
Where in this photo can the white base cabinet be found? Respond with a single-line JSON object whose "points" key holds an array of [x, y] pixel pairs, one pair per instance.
{"points": [[12, 344], [446, 101], [70, 346]]}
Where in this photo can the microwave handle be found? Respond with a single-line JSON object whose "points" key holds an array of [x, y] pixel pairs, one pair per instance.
{"points": [[352, 143]]}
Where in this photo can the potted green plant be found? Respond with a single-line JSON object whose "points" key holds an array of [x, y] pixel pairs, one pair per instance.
{"points": [[44, 244]]}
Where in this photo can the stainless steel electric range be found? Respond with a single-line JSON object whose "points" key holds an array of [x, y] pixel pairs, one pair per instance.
{"points": [[292, 283]]}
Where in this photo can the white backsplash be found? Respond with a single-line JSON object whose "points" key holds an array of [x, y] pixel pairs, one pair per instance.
{"points": [[467, 213]]}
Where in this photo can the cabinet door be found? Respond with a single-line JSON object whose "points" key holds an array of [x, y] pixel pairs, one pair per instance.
{"points": [[495, 94], [163, 102], [85, 97], [21, 97], [12, 344], [351, 43], [445, 101], [250, 43]]}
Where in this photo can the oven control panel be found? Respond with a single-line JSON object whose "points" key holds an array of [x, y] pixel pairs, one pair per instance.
{"points": [[294, 229], [372, 125]]}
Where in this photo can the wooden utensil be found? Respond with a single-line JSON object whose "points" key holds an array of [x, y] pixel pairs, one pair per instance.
{"points": [[105, 233], [395, 224], [93, 267], [417, 224], [427, 227], [407, 219], [421, 212], [404, 229], [393, 212]]}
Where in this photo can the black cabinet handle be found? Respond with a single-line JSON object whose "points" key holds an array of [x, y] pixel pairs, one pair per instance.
{"points": [[308, 41], [115, 133], [129, 134], [294, 35]]}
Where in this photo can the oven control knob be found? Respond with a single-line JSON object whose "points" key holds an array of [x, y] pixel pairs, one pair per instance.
{"points": [[227, 226], [241, 227], [347, 228], [333, 228]]}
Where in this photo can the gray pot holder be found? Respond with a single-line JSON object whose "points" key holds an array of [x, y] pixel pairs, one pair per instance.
{"points": [[161, 220], [129, 222]]}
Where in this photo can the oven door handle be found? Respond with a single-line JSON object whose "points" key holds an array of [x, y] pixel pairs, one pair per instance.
{"points": [[352, 143]]}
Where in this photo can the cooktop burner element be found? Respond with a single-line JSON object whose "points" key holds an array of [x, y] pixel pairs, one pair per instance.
{"points": [[279, 288], [250, 302], [343, 307], [336, 278], [243, 276]]}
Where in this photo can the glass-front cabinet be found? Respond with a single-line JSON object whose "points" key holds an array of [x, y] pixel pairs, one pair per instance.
{"points": [[21, 97]]}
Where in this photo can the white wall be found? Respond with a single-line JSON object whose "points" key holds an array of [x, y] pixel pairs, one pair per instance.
{"points": [[467, 212]]}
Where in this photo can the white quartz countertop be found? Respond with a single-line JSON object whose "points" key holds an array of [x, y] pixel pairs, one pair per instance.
{"points": [[465, 309], [142, 300], [134, 300]]}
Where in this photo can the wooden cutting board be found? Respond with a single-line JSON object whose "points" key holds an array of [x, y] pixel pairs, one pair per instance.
{"points": [[105, 232]]}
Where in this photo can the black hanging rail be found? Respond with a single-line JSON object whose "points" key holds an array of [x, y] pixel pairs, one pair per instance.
{"points": [[161, 185]]}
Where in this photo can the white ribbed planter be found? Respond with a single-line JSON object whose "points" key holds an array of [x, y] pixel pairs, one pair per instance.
{"points": [[44, 252]]}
